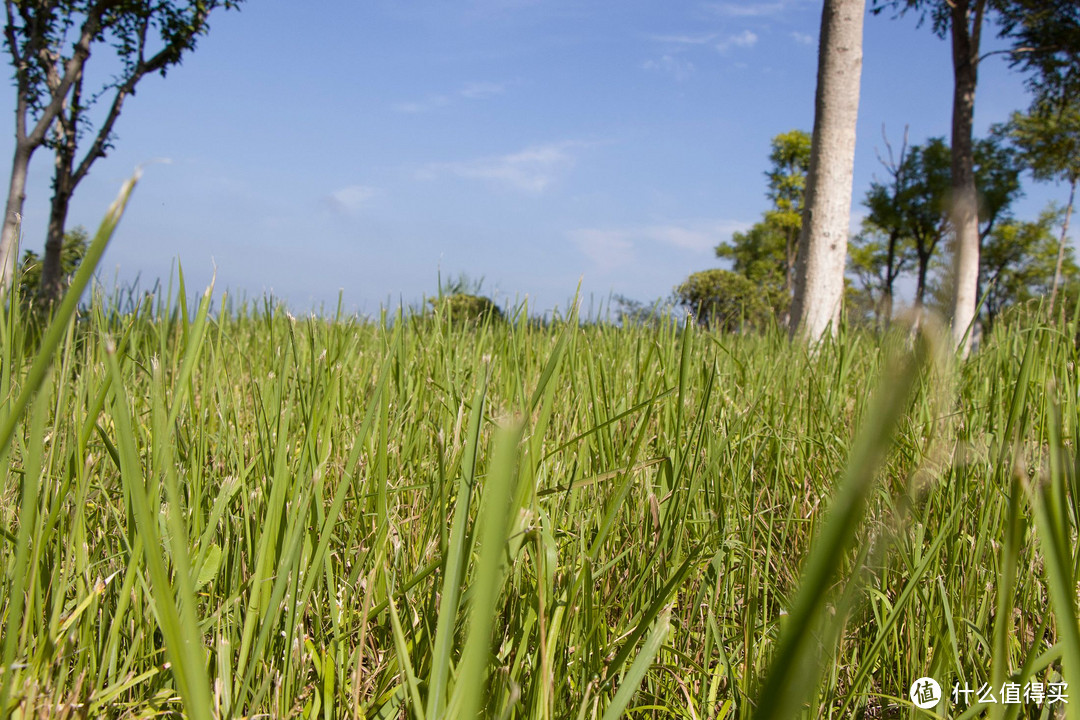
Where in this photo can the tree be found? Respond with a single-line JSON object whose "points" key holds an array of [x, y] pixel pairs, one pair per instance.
{"points": [[962, 20], [724, 300], [765, 254], [877, 259], [759, 256], [997, 183], [1048, 137], [1046, 44], [1020, 262], [819, 278], [49, 76], [909, 217], [790, 159], [1045, 37], [882, 250]]}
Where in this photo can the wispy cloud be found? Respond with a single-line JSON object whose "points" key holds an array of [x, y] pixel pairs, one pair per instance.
{"points": [[608, 249], [802, 38], [469, 91], [745, 39], [612, 247], [679, 68], [747, 9], [350, 200], [531, 170], [701, 39], [481, 90]]}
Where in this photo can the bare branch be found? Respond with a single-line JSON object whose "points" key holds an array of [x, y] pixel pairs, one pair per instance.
{"points": [[1010, 51]]}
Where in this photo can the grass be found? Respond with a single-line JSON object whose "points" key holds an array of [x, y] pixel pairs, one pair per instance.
{"points": [[234, 513]]}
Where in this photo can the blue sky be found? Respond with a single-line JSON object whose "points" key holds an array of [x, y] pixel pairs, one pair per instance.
{"points": [[307, 148]]}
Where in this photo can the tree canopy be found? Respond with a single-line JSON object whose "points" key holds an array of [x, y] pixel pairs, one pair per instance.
{"points": [[49, 43], [766, 253]]}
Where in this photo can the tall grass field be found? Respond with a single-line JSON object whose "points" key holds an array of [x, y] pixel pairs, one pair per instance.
{"points": [[213, 510]]}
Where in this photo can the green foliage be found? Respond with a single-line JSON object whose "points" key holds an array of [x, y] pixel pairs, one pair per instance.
{"points": [[1019, 260], [634, 312], [760, 256], [766, 253], [724, 300], [74, 249], [790, 158], [1046, 35], [908, 216], [998, 166], [466, 309], [1048, 138]]}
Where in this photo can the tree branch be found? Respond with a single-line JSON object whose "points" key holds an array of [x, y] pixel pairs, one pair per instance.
{"points": [[976, 30], [1010, 51], [97, 149], [72, 68]]}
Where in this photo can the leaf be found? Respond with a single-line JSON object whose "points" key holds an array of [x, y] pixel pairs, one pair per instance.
{"points": [[210, 567]]}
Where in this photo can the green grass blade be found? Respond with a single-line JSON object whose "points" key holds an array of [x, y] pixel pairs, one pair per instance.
{"points": [[494, 525], [631, 682], [59, 325], [793, 672]]}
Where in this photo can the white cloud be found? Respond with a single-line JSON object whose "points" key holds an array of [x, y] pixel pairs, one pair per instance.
{"points": [[610, 247], [802, 38], [696, 236], [677, 67], [352, 199], [745, 39], [531, 170], [469, 91]]}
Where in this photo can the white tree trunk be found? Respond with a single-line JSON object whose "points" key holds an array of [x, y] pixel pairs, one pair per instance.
{"points": [[819, 275], [9, 236], [1061, 246], [966, 27]]}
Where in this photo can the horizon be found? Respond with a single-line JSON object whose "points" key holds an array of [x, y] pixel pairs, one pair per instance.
{"points": [[536, 145]]}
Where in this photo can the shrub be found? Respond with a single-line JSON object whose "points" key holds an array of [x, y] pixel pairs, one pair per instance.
{"points": [[724, 300], [74, 248], [465, 309]]}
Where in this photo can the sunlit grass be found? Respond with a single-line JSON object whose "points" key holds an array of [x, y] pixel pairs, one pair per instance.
{"points": [[241, 513]]}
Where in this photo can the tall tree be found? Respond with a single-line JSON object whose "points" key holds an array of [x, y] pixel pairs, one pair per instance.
{"points": [[1048, 137], [819, 277], [790, 159], [50, 93], [177, 26], [35, 32], [925, 208], [962, 21], [765, 254], [1045, 36]]}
